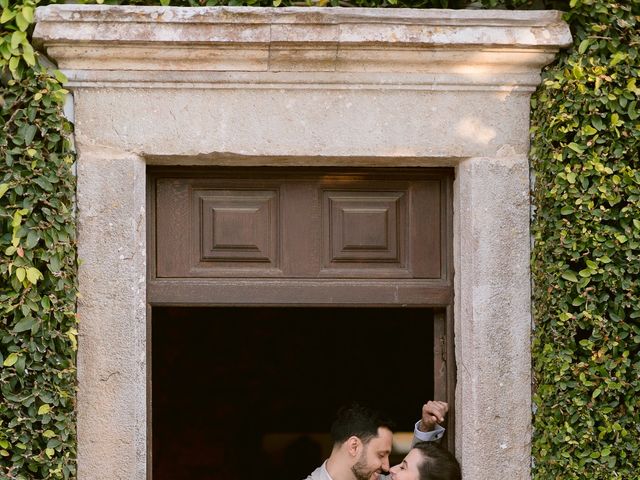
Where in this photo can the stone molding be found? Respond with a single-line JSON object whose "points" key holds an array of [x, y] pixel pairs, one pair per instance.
{"points": [[335, 48]]}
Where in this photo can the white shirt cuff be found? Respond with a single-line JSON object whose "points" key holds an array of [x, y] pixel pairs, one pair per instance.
{"points": [[431, 436]]}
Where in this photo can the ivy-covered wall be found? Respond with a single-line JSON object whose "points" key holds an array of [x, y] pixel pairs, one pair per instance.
{"points": [[585, 264], [586, 259], [37, 263]]}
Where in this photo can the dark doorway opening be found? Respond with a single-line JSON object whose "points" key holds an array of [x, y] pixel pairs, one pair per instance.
{"points": [[245, 393]]}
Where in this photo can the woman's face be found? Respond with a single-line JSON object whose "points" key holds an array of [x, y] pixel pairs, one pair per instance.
{"points": [[408, 469]]}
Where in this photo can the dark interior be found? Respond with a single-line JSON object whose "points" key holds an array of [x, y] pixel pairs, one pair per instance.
{"points": [[246, 393]]}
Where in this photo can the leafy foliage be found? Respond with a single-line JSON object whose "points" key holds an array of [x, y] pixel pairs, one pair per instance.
{"points": [[586, 345], [586, 260], [38, 263]]}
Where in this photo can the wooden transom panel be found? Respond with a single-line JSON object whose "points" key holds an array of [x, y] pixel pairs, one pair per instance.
{"points": [[302, 224]]}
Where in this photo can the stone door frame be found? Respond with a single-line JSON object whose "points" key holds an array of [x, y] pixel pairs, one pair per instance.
{"points": [[304, 87]]}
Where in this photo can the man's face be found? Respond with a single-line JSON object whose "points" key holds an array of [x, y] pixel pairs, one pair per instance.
{"points": [[374, 458], [408, 469]]}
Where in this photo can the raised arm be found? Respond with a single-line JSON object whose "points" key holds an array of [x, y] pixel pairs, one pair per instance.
{"points": [[427, 429]]}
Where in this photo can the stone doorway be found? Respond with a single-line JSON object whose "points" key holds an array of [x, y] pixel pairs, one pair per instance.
{"points": [[309, 87]]}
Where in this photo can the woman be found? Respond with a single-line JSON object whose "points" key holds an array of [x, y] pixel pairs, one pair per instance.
{"points": [[427, 461]]}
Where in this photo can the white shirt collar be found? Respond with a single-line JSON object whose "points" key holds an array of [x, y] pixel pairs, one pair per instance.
{"points": [[325, 471]]}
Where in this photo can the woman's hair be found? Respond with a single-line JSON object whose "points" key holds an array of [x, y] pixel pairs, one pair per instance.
{"points": [[437, 463]]}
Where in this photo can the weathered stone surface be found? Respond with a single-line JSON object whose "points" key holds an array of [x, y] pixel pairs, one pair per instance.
{"points": [[112, 372], [304, 87], [376, 122], [89, 41], [247, 24], [491, 255]]}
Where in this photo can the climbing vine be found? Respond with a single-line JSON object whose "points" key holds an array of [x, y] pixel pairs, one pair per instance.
{"points": [[38, 263], [586, 259]]}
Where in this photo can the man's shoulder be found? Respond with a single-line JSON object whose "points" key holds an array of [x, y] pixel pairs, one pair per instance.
{"points": [[319, 473]]}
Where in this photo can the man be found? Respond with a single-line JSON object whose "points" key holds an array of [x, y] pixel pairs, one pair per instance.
{"points": [[362, 441]]}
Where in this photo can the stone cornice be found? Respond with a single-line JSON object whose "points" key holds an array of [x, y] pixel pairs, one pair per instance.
{"points": [[214, 47]]}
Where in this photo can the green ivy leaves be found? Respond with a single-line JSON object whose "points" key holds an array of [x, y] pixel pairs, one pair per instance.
{"points": [[37, 262], [16, 51], [586, 257]]}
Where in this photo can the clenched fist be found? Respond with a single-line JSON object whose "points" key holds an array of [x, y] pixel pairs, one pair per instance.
{"points": [[433, 412]]}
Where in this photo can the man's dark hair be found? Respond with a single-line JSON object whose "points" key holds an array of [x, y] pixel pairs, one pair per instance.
{"points": [[437, 463], [359, 421]]}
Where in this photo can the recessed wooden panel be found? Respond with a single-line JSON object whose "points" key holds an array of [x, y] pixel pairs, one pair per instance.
{"points": [[307, 227], [238, 226], [364, 227]]}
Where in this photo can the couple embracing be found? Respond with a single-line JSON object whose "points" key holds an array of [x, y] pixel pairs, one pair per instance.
{"points": [[362, 441]]}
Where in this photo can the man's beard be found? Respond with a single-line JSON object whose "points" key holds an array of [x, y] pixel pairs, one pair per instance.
{"points": [[361, 470]]}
